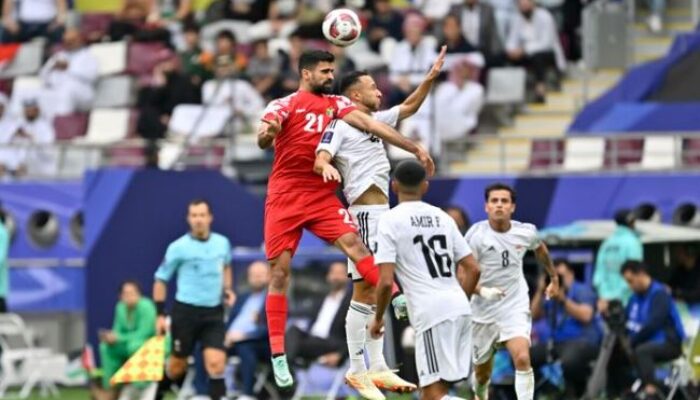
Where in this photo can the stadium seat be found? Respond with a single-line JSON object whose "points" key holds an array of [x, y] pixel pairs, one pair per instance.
{"points": [[659, 152], [691, 152], [547, 153], [143, 57], [199, 121], [27, 61], [70, 126], [114, 91], [111, 57], [623, 152], [126, 156], [505, 86], [240, 30], [584, 153], [107, 125]]}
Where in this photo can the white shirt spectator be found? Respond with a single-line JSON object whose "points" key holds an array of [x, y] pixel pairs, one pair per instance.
{"points": [[329, 309], [73, 87], [37, 10], [435, 9], [412, 62], [535, 35], [37, 160], [247, 104], [458, 108], [471, 24]]}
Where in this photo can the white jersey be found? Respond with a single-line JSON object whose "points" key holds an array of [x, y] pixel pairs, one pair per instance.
{"points": [[359, 156], [425, 244], [500, 257]]}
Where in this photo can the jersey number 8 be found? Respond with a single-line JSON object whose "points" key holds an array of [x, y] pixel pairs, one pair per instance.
{"points": [[439, 264]]}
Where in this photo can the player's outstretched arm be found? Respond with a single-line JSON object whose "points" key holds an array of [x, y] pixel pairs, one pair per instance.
{"points": [[543, 258], [366, 123], [267, 131], [323, 167], [414, 101], [160, 293], [468, 274], [383, 294]]}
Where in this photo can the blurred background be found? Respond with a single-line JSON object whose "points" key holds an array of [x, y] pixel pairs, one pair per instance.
{"points": [[114, 114]]}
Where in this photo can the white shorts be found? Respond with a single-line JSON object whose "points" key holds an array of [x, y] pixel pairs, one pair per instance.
{"points": [[367, 220], [443, 352], [486, 336]]}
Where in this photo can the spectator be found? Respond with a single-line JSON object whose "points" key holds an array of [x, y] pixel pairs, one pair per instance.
{"points": [[654, 328], [228, 62], [685, 274], [133, 20], [459, 99], [574, 328], [166, 12], [534, 43], [434, 10], [156, 103], [655, 21], [325, 340], [479, 27], [411, 59], [134, 324], [195, 63], [33, 18], [460, 216], [264, 70], [621, 246], [245, 10], [30, 130], [4, 267], [452, 37], [246, 336], [384, 23], [69, 76], [343, 63], [289, 77]]}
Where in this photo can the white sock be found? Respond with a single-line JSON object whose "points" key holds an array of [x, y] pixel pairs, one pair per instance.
{"points": [[524, 384], [375, 350], [482, 391], [448, 397], [355, 329]]}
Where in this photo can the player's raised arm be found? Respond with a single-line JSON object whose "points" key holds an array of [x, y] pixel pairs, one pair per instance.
{"points": [[366, 123], [414, 101]]}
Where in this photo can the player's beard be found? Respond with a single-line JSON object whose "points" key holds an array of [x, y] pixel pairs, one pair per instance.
{"points": [[324, 88]]}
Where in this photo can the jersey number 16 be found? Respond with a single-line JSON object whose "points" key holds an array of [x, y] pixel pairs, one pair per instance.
{"points": [[439, 264]]}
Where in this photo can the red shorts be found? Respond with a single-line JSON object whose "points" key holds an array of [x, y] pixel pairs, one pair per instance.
{"points": [[287, 214]]}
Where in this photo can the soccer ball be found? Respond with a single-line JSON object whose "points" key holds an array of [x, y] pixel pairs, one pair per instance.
{"points": [[342, 27]]}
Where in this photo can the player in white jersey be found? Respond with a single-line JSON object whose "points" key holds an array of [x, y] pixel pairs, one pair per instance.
{"points": [[433, 263], [499, 245], [362, 162]]}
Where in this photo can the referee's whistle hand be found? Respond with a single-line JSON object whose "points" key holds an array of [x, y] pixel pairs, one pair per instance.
{"points": [[161, 325]]}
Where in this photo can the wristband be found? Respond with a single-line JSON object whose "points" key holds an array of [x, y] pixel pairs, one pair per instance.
{"points": [[160, 308]]}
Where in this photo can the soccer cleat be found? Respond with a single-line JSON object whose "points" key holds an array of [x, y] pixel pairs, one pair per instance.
{"points": [[280, 368], [364, 386], [388, 380]]}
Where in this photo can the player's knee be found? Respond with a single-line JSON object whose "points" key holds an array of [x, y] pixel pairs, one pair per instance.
{"points": [[353, 246], [279, 277], [522, 360], [215, 367], [363, 292]]}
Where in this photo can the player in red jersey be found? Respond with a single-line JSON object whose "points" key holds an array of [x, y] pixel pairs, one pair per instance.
{"points": [[297, 198]]}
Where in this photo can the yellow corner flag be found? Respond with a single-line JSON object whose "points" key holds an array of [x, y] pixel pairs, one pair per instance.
{"points": [[146, 365]]}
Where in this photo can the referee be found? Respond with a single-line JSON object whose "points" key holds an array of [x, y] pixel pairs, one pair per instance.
{"points": [[201, 260]]}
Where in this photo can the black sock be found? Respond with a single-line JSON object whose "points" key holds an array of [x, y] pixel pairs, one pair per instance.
{"points": [[166, 384], [217, 388]]}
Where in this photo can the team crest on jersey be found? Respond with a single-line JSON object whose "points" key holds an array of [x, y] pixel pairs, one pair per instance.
{"points": [[329, 111]]}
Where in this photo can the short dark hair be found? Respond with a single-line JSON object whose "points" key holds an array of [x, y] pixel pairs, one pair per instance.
{"points": [[499, 186], [634, 267], [132, 282], [624, 217], [350, 79], [410, 173], [310, 59], [191, 27], [198, 201], [560, 261], [226, 34]]}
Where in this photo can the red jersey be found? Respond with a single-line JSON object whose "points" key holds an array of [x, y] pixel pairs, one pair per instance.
{"points": [[304, 117]]}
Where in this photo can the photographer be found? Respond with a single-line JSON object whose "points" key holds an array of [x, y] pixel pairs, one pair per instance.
{"points": [[653, 325], [575, 330]]}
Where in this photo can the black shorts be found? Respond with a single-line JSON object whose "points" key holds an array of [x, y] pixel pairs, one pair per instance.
{"points": [[192, 324]]}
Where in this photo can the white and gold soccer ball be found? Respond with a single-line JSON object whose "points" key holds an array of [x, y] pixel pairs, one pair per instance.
{"points": [[342, 27]]}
